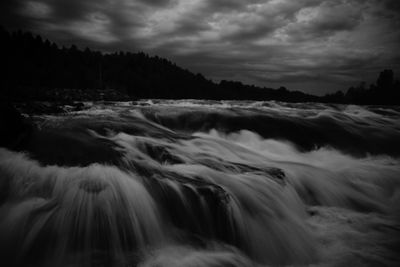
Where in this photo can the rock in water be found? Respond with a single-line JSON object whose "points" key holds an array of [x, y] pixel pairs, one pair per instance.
{"points": [[15, 128]]}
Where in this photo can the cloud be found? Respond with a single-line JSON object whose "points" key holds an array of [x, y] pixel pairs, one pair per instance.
{"points": [[324, 20], [305, 43]]}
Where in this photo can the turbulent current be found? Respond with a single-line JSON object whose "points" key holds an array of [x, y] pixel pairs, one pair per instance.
{"points": [[204, 183]]}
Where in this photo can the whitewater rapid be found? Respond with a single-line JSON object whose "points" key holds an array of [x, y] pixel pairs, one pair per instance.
{"points": [[204, 183]]}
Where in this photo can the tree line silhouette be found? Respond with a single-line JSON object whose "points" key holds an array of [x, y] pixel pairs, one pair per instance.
{"points": [[386, 91], [37, 69]]}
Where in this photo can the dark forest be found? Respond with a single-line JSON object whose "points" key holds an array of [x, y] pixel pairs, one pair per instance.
{"points": [[37, 69]]}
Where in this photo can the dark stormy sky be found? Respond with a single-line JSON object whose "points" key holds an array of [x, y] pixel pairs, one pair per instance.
{"points": [[311, 45]]}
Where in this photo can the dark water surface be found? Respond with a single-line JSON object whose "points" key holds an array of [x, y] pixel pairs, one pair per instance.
{"points": [[204, 183]]}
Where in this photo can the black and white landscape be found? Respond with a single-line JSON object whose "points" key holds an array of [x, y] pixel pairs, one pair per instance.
{"points": [[199, 133]]}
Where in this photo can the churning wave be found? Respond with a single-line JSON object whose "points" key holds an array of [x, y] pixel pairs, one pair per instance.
{"points": [[204, 183]]}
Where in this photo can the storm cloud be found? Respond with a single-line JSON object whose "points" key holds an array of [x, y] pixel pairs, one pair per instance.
{"points": [[309, 45]]}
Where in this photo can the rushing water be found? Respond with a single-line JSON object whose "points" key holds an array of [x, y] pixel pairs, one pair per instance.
{"points": [[204, 183]]}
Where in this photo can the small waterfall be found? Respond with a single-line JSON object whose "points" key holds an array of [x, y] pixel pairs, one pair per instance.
{"points": [[72, 214], [178, 197]]}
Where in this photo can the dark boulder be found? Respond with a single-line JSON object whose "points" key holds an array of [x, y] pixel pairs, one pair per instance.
{"points": [[39, 108], [15, 129]]}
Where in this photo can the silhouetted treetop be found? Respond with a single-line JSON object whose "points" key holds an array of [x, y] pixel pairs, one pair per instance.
{"points": [[385, 80], [36, 68], [386, 91], [35, 65]]}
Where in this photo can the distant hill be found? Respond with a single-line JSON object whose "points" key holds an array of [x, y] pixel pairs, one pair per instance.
{"points": [[37, 69], [41, 70]]}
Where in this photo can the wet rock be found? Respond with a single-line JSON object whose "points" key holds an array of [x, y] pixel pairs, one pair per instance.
{"points": [[15, 128], [194, 206], [71, 148], [41, 108]]}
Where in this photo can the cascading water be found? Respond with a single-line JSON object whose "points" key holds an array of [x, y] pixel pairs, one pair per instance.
{"points": [[176, 183]]}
